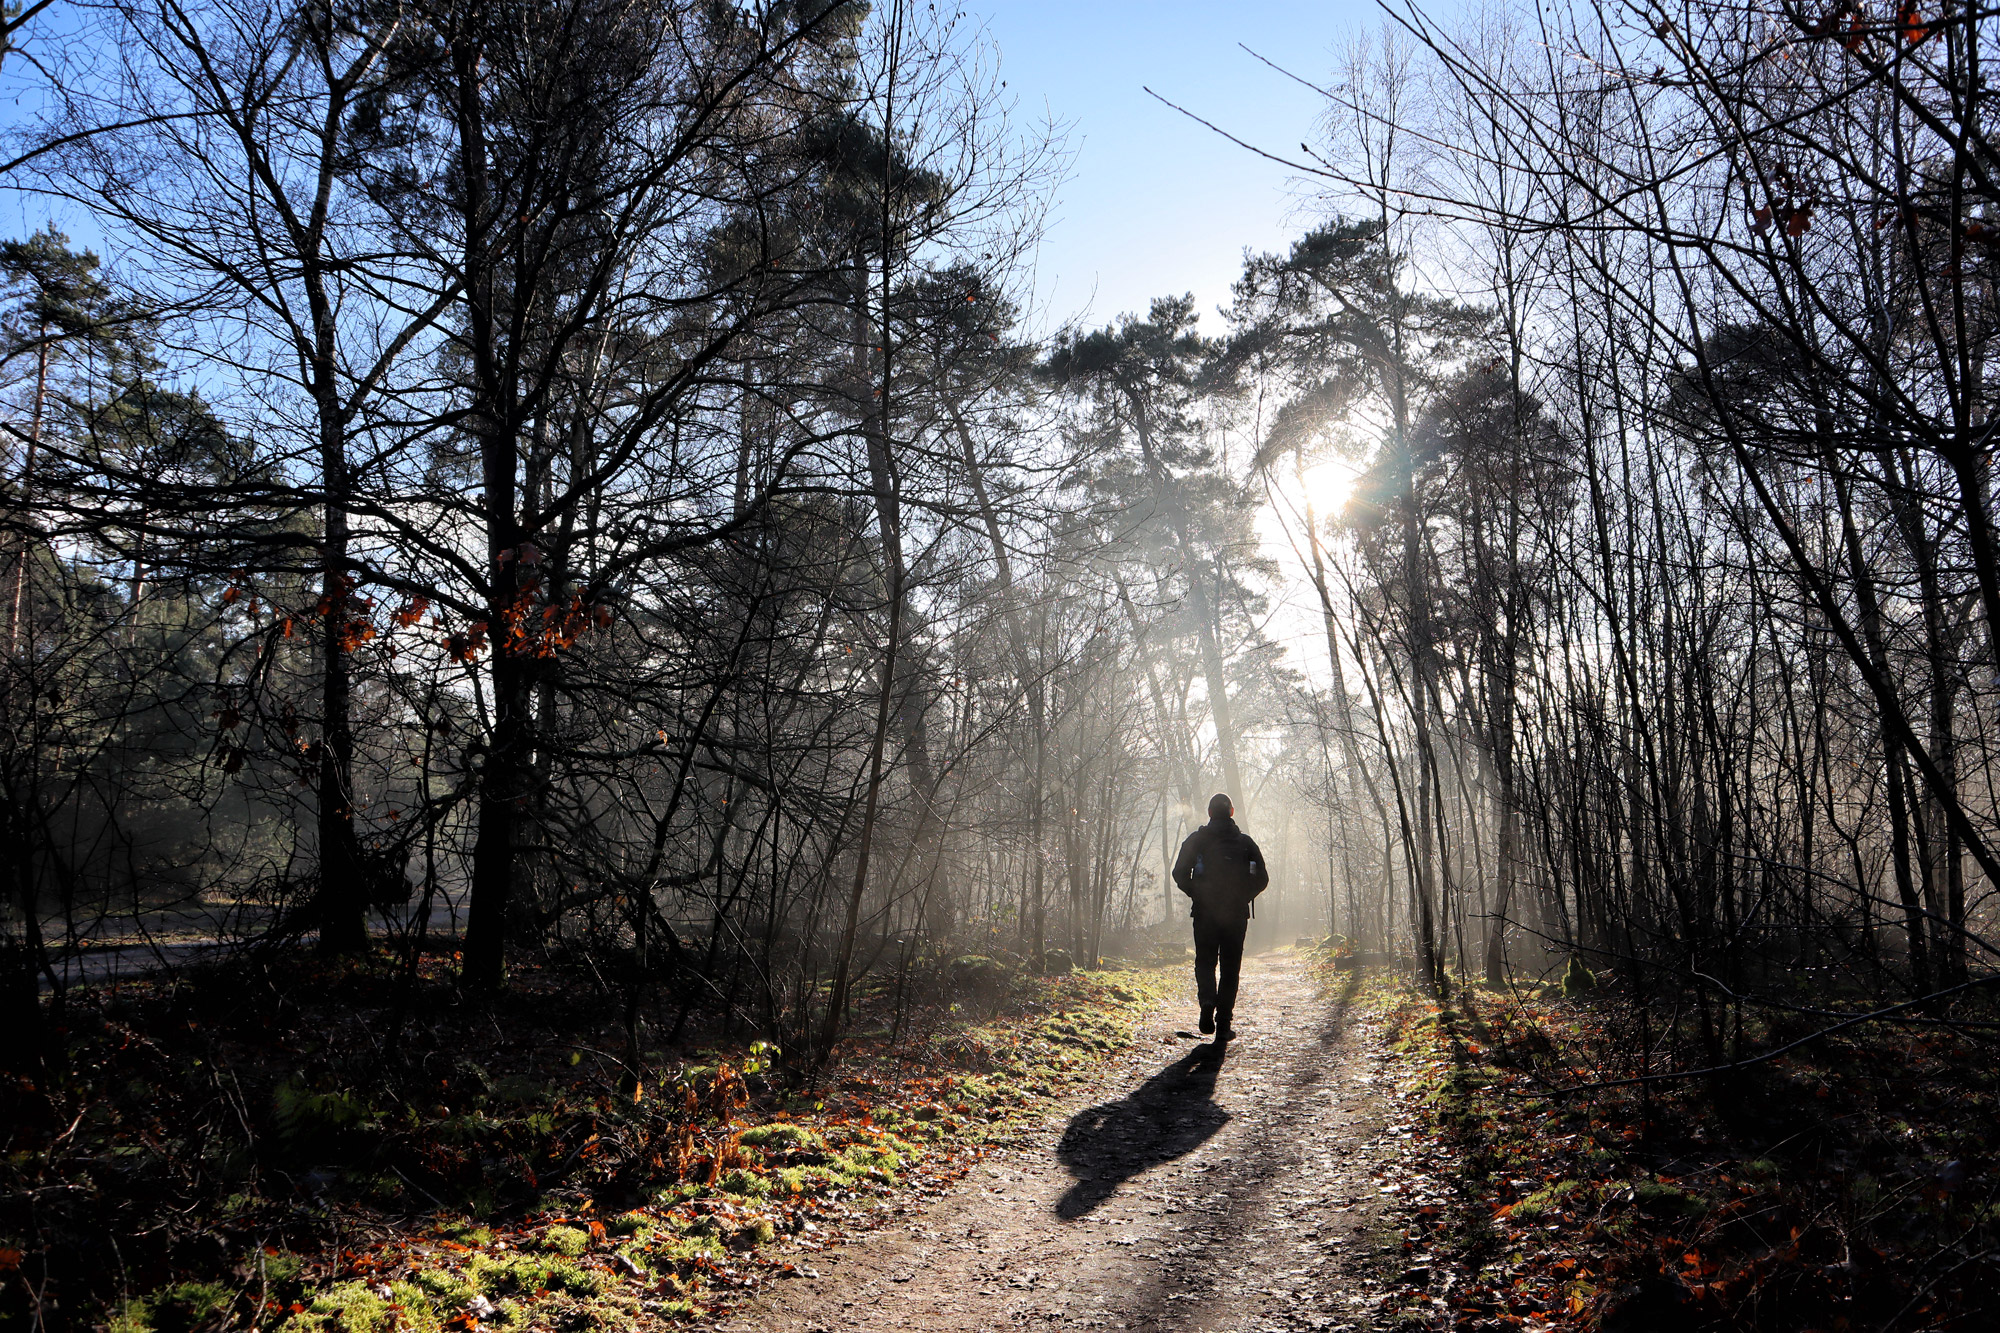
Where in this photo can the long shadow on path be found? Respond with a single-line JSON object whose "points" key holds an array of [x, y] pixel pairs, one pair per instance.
{"points": [[1169, 1115]]}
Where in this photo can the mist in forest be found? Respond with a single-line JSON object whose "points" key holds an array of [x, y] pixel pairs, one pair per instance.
{"points": [[577, 482]]}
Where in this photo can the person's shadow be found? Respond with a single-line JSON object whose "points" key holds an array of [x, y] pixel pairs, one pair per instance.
{"points": [[1168, 1116]]}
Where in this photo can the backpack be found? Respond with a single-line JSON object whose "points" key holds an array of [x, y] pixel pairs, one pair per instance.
{"points": [[1221, 875]]}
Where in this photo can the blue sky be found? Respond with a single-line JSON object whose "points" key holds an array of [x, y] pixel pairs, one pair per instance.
{"points": [[1156, 204]]}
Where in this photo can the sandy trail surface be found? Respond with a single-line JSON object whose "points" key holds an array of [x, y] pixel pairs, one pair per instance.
{"points": [[1197, 1187]]}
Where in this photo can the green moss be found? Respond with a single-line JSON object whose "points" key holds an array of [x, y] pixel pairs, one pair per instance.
{"points": [[1578, 979], [1549, 1199], [568, 1314], [672, 1250], [809, 1180], [569, 1241], [744, 1184], [351, 1307], [757, 1231], [177, 1309], [284, 1266], [783, 1137], [863, 1157], [284, 1274], [443, 1286], [523, 1274], [629, 1224], [467, 1233], [1666, 1201], [1083, 1031]]}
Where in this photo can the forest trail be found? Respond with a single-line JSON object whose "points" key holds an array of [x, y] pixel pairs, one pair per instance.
{"points": [[1218, 1189]]}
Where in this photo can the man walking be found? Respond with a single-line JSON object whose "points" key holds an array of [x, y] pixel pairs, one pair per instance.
{"points": [[1221, 870]]}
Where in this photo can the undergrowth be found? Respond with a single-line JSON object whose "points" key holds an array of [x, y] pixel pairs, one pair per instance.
{"points": [[1845, 1186], [319, 1148]]}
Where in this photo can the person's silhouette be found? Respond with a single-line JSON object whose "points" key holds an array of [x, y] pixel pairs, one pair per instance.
{"points": [[1221, 870]]}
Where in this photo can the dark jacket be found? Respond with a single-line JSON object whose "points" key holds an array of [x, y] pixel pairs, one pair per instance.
{"points": [[1232, 870]]}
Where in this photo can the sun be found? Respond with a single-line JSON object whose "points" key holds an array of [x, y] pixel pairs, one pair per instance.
{"points": [[1330, 485]]}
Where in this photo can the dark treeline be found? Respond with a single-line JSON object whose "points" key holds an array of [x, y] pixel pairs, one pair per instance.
{"points": [[573, 478], [1670, 574], [578, 477]]}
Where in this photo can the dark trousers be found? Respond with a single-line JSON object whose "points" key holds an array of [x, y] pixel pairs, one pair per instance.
{"points": [[1218, 942]]}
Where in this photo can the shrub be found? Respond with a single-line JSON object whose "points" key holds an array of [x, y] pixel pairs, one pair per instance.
{"points": [[304, 1116]]}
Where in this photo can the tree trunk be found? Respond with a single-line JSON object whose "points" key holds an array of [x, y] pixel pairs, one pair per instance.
{"points": [[341, 903]]}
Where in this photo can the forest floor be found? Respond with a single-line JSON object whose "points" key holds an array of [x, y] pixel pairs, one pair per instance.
{"points": [[304, 1145], [1223, 1187], [351, 1146], [1368, 1158]]}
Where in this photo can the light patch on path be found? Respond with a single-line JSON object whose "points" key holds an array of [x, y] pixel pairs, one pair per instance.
{"points": [[1201, 1189]]}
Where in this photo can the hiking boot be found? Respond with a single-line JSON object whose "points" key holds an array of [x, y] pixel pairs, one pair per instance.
{"points": [[1223, 1031], [1208, 1020]]}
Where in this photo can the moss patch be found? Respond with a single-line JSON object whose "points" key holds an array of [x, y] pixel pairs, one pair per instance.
{"points": [[523, 1274], [568, 1241], [177, 1309], [784, 1137], [1550, 1200], [352, 1307]]}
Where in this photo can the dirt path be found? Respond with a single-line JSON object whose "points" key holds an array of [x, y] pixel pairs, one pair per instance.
{"points": [[1203, 1188]]}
